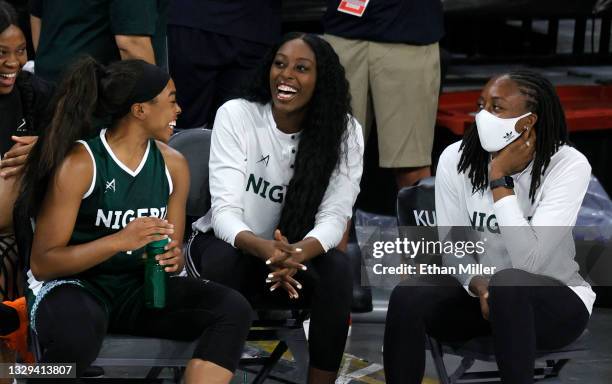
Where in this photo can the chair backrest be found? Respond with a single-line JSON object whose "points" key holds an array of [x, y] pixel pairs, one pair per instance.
{"points": [[194, 144], [416, 216], [416, 205]]}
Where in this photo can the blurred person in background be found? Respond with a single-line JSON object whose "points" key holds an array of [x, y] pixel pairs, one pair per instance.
{"points": [[108, 30], [390, 51], [213, 46]]}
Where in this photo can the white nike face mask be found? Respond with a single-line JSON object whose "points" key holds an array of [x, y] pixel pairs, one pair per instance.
{"points": [[494, 132]]}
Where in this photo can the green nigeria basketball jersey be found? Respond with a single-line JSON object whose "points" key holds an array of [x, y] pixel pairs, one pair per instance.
{"points": [[118, 195]]}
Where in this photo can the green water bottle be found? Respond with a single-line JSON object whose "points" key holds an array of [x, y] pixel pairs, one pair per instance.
{"points": [[155, 276]]}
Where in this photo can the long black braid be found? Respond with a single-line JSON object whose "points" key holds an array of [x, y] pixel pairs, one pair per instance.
{"points": [[551, 129]]}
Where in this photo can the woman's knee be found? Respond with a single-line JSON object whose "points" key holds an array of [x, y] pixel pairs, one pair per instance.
{"points": [[509, 290], [510, 277], [413, 299], [334, 272]]}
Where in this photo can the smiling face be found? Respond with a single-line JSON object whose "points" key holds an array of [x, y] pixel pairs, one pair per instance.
{"points": [[13, 57], [293, 76], [159, 115], [503, 98]]}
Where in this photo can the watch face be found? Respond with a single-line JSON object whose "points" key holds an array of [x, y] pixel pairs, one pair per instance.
{"points": [[509, 181]]}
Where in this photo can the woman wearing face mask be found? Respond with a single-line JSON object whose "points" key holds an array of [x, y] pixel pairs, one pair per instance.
{"points": [[90, 231], [514, 181], [23, 100], [285, 166]]}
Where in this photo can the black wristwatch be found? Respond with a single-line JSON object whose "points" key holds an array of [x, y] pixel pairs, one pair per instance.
{"points": [[505, 182]]}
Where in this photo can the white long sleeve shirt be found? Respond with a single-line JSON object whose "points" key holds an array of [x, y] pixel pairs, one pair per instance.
{"points": [[251, 165], [535, 237]]}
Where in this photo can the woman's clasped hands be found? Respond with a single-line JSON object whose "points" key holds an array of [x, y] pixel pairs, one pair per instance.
{"points": [[284, 261]]}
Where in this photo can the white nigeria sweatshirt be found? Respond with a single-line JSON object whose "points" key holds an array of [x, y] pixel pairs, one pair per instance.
{"points": [[251, 164], [535, 237]]}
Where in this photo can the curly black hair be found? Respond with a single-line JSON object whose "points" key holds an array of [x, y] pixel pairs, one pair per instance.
{"points": [[323, 141], [551, 128]]}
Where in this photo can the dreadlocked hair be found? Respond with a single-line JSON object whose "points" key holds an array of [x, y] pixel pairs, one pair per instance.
{"points": [[323, 140], [541, 100]]}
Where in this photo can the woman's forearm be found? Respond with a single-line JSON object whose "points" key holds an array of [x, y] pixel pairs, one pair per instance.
{"points": [[73, 259], [9, 189], [311, 248], [248, 242], [35, 25]]}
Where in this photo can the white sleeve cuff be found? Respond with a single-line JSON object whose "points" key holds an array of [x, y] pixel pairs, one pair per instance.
{"points": [[235, 232], [505, 202], [327, 235], [508, 212], [466, 286], [227, 228]]}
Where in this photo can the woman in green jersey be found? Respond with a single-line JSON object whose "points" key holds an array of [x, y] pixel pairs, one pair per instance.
{"points": [[98, 198]]}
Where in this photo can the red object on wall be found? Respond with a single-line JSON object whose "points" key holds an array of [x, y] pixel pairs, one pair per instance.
{"points": [[587, 108], [353, 7]]}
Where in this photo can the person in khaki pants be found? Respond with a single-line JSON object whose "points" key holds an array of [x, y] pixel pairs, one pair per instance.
{"points": [[389, 49]]}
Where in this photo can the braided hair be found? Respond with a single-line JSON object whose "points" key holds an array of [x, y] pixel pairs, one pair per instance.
{"points": [[540, 99], [324, 137]]}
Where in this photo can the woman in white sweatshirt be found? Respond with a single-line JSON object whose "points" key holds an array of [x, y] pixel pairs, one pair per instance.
{"points": [[285, 166], [514, 184]]}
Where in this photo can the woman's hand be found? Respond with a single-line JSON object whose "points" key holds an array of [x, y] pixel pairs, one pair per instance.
{"points": [[284, 266], [515, 157], [479, 285], [173, 259], [274, 251], [290, 257], [141, 231], [14, 160], [284, 278]]}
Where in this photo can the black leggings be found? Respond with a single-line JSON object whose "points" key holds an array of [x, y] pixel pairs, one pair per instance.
{"points": [[71, 323], [541, 313], [327, 291]]}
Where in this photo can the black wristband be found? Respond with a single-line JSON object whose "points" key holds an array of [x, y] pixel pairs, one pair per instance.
{"points": [[505, 182]]}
